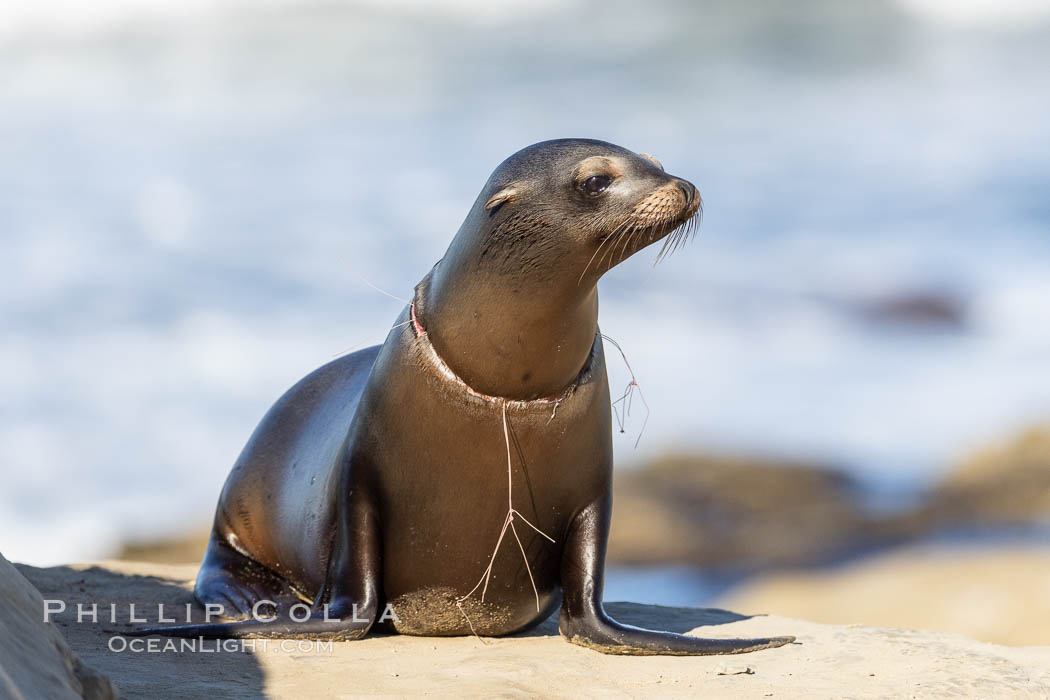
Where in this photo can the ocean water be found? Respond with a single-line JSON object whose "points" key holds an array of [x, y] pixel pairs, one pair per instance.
{"points": [[195, 193]]}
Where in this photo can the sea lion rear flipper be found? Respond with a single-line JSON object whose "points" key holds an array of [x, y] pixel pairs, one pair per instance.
{"points": [[316, 627], [584, 621], [240, 585], [346, 608]]}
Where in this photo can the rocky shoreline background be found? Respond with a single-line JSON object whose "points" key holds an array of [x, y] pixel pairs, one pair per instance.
{"points": [[751, 515]]}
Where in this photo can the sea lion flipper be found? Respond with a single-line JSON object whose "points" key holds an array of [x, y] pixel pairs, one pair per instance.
{"points": [[352, 583], [584, 621], [316, 627], [234, 581], [352, 589]]}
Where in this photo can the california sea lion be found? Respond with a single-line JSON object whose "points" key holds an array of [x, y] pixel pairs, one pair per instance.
{"points": [[461, 472]]}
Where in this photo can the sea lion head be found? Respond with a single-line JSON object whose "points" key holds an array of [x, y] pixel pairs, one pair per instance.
{"points": [[577, 207], [512, 306]]}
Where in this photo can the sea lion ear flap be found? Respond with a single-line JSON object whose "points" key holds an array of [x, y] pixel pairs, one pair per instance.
{"points": [[507, 194]]}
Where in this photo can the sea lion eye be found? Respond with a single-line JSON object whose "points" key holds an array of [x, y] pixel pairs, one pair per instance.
{"points": [[596, 184]]}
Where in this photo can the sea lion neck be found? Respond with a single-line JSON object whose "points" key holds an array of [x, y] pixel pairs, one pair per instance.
{"points": [[508, 337]]}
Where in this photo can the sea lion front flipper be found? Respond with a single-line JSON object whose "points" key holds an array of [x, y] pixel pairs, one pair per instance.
{"points": [[351, 589], [584, 621]]}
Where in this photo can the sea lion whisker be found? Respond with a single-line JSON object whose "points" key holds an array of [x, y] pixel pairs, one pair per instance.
{"points": [[605, 240], [628, 242], [682, 232], [682, 235], [685, 232], [623, 227], [588, 265], [623, 250], [666, 249], [611, 250]]}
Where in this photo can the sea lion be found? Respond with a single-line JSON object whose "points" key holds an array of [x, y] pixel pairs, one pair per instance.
{"points": [[457, 479]]}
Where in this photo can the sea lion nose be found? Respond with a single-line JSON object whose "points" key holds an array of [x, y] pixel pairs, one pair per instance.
{"points": [[688, 189]]}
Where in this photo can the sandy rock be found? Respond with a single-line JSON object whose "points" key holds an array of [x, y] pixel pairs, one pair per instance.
{"points": [[35, 661], [995, 595], [177, 549], [828, 661]]}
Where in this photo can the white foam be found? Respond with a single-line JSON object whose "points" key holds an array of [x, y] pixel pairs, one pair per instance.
{"points": [[73, 18], [980, 13]]}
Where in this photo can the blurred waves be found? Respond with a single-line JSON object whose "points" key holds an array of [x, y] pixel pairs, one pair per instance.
{"points": [[195, 192]]}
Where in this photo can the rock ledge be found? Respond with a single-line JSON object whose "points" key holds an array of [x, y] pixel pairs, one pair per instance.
{"points": [[827, 661]]}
